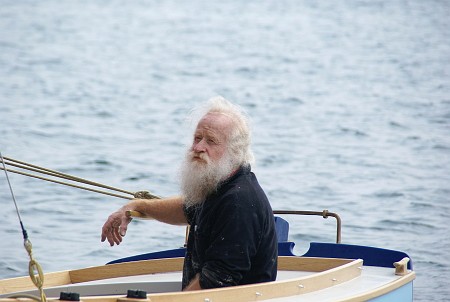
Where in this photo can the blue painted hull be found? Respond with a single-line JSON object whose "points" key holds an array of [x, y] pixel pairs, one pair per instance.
{"points": [[404, 293]]}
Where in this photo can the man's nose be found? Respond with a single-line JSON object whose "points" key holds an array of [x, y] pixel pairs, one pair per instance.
{"points": [[200, 146]]}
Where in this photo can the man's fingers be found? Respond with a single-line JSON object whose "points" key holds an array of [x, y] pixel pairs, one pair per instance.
{"points": [[124, 226], [115, 228], [114, 237], [104, 233]]}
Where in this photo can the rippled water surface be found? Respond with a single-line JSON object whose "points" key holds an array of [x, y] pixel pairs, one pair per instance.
{"points": [[350, 107]]}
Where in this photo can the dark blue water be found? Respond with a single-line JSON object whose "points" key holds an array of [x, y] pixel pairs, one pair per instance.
{"points": [[350, 107]]}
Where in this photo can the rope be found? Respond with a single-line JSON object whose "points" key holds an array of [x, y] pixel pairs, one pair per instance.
{"points": [[34, 269], [34, 168], [67, 184], [42, 170], [18, 296]]}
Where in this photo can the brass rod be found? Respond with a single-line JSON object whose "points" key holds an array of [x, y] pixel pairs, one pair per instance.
{"points": [[325, 214]]}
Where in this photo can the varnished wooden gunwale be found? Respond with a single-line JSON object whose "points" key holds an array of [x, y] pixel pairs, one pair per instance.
{"points": [[143, 267], [329, 272]]}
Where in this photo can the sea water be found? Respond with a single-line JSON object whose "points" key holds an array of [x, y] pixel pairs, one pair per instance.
{"points": [[349, 103]]}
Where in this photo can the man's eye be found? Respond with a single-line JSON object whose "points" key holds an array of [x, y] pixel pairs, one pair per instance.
{"points": [[197, 139], [211, 141]]}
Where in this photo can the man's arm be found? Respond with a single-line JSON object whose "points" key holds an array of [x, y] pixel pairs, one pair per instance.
{"points": [[168, 210], [194, 284]]}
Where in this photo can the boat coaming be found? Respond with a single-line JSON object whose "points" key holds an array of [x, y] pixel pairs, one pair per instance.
{"points": [[299, 279]]}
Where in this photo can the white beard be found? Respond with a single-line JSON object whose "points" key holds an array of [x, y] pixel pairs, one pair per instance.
{"points": [[199, 179]]}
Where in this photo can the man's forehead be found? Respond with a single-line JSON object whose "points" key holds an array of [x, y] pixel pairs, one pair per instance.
{"points": [[215, 121]]}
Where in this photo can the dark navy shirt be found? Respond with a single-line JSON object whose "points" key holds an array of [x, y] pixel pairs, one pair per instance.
{"points": [[232, 239]]}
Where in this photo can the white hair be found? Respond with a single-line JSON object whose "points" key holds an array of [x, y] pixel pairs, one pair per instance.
{"points": [[239, 140], [199, 180]]}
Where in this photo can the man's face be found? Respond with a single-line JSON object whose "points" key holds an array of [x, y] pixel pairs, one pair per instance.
{"points": [[208, 161], [210, 138]]}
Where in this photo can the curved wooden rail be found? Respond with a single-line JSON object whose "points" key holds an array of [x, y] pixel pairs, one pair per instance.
{"points": [[324, 273]]}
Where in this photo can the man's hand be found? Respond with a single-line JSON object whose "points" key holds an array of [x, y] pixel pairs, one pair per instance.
{"points": [[116, 227], [168, 210]]}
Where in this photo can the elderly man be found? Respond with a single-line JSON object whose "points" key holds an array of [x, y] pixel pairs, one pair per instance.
{"points": [[232, 238]]}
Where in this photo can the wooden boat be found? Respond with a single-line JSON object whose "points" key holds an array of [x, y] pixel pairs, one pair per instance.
{"points": [[326, 272]]}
